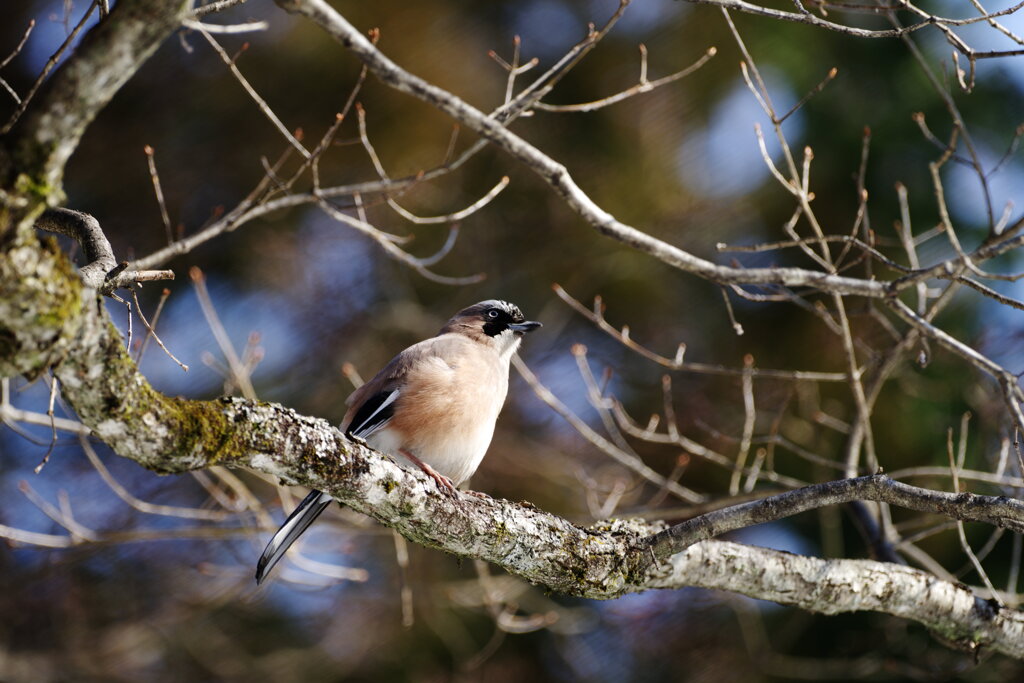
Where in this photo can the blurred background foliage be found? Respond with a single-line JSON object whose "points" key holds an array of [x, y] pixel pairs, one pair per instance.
{"points": [[309, 295]]}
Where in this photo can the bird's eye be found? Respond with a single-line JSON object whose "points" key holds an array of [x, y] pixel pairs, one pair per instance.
{"points": [[492, 314]]}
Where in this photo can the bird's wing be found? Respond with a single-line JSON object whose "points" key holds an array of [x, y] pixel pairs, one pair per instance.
{"points": [[373, 413], [372, 405]]}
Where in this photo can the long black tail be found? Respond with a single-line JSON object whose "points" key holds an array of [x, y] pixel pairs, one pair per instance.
{"points": [[300, 519]]}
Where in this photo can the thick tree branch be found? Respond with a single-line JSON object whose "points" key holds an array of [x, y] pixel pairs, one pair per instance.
{"points": [[949, 610], [174, 435], [40, 143], [96, 273], [49, 319], [87, 232]]}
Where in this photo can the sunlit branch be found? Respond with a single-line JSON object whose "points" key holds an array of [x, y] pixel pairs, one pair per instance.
{"points": [[643, 86], [596, 316]]}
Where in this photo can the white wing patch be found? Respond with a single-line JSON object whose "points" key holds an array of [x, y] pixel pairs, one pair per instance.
{"points": [[371, 423]]}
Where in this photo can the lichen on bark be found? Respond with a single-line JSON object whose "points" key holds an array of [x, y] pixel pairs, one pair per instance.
{"points": [[40, 302]]}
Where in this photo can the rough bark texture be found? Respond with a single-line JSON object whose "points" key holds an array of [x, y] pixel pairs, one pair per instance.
{"points": [[40, 307], [39, 302], [950, 611], [47, 134], [604, 561], [49, 320]]}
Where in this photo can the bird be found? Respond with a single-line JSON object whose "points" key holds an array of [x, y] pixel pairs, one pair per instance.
{"points": [[433, 406]]}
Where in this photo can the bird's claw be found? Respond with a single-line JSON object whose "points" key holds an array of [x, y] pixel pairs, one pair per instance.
{"points": [[444, 484]]}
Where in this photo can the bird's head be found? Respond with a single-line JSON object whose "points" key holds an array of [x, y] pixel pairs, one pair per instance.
{"points": [[493, 322]]}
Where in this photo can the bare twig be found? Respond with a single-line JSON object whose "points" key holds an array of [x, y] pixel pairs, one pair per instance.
{"points": [[677, 363], [226, 29], [156, 319], [954, 465], [451, 217], [642, 86], [158, 190], [239, 374], [260, 102], [420, 265], [217, 6], [21, 43], [53, 425], [1000, 512], [151, 331], [50, 63], [141, 505], [626, 459], [78, 531], [750, 414]]}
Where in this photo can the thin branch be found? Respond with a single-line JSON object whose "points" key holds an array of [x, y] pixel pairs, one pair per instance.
{"points": [[141, 505], [596, 316], [1006, 379], [750, 414], [218, 6], [813, 20], [451, 217], [159, 192], [260, 102], [226, 29], [954, 465], [78, 531], [34, 538], [420, 265], [151, 331], [811, 93], [643, 86], [1000, 512], [50, 63], [628, 460], [555, 174], [21, 43], [804, 241], [239, 374], [597, 399], [53, 426]]}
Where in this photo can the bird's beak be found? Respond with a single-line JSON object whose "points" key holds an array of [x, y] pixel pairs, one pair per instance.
{"points": [[524, 327]]}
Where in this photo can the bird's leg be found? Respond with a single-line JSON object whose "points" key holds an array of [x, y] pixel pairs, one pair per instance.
{"points": [[443, 482]]}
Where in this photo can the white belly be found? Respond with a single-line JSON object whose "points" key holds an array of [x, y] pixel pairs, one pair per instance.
{"points": [[455, 458], [454, 440]]}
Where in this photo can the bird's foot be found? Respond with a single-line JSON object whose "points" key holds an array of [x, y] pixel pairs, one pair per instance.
{"points": [[444, 484]]}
